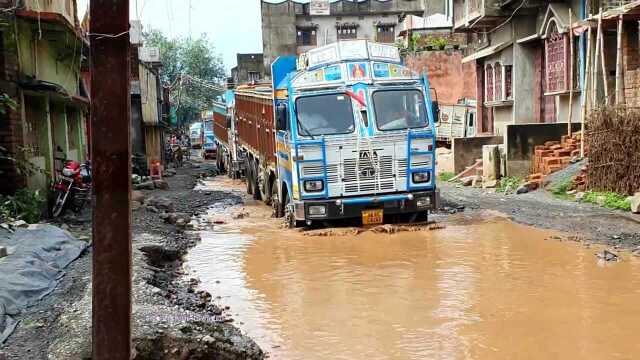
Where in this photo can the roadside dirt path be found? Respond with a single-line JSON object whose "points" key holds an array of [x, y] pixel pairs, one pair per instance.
{"points": [[172, 318], [540, 209]]}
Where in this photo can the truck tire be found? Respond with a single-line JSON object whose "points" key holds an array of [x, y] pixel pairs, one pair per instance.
{"points": [[276, 204], [256, 184], [289, 216], [249, 177], [263, 187]]}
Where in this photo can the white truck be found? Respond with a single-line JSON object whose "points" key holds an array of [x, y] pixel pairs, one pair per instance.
{"points": [[456, 121]]}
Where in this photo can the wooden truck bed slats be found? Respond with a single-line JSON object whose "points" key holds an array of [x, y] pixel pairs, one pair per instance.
{"points": [[220, 128], [255, 123]]}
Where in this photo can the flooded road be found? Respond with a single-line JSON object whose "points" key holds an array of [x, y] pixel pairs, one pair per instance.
{"points": [[480, 288]]}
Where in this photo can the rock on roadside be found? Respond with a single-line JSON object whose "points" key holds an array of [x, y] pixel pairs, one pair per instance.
{"points": [[635, 203], [161, 203]]}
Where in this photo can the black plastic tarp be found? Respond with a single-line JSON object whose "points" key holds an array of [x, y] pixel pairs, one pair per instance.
{"points": [[37, 257]]}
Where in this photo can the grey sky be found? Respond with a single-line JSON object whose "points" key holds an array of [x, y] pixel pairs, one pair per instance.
{"points": [[233, 26]]}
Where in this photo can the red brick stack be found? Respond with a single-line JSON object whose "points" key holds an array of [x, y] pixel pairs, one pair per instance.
{"points": [[554, 156], [580, 182]]}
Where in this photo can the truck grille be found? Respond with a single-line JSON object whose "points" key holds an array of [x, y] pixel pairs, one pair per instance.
{"points": [[368, 178]]}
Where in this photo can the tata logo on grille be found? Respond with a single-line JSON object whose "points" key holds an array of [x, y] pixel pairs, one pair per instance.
{"points": [[366, 163]]}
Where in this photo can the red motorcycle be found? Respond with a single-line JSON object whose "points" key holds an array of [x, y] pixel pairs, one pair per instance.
{"points": [[72, 189]]}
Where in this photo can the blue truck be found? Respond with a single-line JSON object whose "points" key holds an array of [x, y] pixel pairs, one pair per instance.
{"points": [[343, 131]]}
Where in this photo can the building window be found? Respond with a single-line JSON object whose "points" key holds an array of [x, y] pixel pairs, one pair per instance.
{"points": [[385, 34], [489, 82], [347, 33], [254, 76], [556, 60], [498, 82], [497, 87], [306, 37], [508, 74]]}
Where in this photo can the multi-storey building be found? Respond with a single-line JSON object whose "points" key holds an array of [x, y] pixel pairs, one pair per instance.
{"points": [[250, 69], [42, 53], [290, 27], [532, 70]]}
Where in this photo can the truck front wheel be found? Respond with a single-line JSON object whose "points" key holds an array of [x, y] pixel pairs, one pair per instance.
{"points": [[290, 216], [275, 201]]}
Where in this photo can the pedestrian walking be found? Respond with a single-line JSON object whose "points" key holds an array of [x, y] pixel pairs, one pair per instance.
{"points": [[179, 154]]}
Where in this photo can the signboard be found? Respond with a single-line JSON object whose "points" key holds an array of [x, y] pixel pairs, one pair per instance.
{"points": [[353, 50], [384, 52], [323, 55], [319, 7]]}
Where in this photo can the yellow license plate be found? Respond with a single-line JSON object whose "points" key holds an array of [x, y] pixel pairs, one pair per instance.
{"points": [[372, 217]]}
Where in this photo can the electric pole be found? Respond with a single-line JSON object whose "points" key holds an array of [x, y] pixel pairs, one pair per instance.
{"points": [[111, 151]]}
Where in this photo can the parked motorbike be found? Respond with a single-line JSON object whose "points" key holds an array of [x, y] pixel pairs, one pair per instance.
{"points": [[72, 189]]}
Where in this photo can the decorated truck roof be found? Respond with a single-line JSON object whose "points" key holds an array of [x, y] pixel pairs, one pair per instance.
{"points": [[350, 61]]}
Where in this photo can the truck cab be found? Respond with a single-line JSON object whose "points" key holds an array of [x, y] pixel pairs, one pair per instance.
{"points": [[355, 135]]}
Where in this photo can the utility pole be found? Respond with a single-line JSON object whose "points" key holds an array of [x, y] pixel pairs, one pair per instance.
{"points": [[111, 150]]}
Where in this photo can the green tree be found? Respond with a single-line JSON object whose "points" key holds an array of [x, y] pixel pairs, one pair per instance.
{"points": [[185, 57]]}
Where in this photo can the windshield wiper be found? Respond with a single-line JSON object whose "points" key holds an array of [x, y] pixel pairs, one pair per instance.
{"points": [[302, 127]]}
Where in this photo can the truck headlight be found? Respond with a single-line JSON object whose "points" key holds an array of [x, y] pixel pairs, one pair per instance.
{"points": [[421, 177], [423, 202], [313, 185], [317, 210]]}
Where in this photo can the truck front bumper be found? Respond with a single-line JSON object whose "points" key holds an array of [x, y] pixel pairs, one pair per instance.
{"points": [[353, 207]]}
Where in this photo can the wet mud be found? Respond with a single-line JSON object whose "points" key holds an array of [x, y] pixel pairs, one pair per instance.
{"points": [[469, 286]]}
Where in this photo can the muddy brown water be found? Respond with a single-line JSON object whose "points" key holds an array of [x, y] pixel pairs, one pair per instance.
{"points": [[481, 288]]}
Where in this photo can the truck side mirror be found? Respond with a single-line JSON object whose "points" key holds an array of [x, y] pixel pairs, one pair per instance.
{"points": [[435, 109], [282, 117]]}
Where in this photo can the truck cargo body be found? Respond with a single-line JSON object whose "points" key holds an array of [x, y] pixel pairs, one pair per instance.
{"points": [[345, 131], [457, 121]]}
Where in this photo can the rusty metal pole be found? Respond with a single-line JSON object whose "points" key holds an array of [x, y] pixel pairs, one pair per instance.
{"points": [[111, 145]]}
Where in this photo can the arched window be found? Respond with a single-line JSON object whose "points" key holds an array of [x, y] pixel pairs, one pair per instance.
{"points": [[497, 93], [556, 59], [489, 81]]}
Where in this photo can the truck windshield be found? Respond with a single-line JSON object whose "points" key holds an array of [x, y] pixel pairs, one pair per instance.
{"points": [[399, 109], [208, 126], [325, 115]]}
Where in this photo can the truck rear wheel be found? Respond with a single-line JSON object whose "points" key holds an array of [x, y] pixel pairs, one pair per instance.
{"points": [[263, 187], [249, 178], [254, 181]]}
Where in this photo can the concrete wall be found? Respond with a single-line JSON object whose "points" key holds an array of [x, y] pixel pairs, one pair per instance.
{"points": [[66, 8], [248, 63], [51, 58], [148, 96], [521, 140], [327, 33], [467, 150], [278, 31], [523, 83], [38, 140], [451, 79]]}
